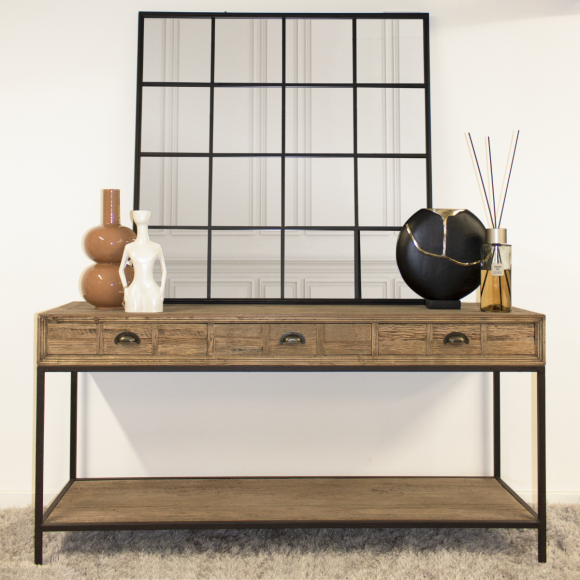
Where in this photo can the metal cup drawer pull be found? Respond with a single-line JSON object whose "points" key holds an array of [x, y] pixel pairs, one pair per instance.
{"points": [[127, 338], [456, 339], [292, 338]]}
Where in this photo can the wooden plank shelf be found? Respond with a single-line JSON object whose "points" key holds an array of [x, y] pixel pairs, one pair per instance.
{"points": [[289, 502]]}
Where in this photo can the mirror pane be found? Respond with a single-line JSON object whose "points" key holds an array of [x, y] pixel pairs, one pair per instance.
{"points": [[390, 51], [391, 120], [380, 276], [390, 190], [175, 190], [177, 50], [319, 192], [175, 120], [319, 120], [245, 264], [247, 120], [246, 191], [319, 51], [320, 264], [248, 50], [185, 253]]}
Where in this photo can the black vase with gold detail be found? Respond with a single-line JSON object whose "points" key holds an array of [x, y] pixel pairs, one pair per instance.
{"points": [[439, 253]]}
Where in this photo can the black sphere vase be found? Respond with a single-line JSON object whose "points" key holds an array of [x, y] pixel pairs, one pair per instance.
{"points": [[438, 254]]}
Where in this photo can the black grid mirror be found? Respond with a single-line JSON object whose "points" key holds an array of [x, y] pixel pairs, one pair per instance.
{"points": [[280, 154]]}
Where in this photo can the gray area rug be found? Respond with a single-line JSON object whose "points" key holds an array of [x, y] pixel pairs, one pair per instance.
{"points": [[328, 553]]}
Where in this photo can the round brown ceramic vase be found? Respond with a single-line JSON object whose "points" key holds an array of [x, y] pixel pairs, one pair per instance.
{"points": [[100, 283]]}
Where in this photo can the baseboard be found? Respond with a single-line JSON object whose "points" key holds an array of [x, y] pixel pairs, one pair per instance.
{"points": [[25, 498]]}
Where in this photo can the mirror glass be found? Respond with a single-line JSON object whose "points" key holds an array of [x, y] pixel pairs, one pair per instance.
{"points": [[320, 264], [245, 264], [391, 121], [248, 50], [177, 50], [319, 51], [390, 51], [320, 192], [390, 190], [246, 191], [220, 156], [185, 253], [175, 120], [247, 120], [175, 190], [319, 120], [380, 276]]}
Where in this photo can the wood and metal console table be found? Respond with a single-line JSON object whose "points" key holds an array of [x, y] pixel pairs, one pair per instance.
{"points": [[78, 338]]}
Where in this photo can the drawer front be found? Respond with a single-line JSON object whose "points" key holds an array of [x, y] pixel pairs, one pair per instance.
{"points": [[442, 348], [113, 330], [239, 340], [71, 339], [511, 339], [187, 340], [346, 339], [292, 349], [403, 339]]}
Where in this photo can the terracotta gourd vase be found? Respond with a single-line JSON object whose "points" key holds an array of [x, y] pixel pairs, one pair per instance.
{"points": [[100, 283]]}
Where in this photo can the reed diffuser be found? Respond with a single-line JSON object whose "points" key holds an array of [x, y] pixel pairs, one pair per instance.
{"points": [[496, 253]]}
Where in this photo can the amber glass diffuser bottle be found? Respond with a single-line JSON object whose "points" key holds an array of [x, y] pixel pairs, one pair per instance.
{"points": [[496, 272]]}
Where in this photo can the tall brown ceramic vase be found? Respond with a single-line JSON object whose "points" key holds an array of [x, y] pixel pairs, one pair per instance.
{"points": [[100, 283]]}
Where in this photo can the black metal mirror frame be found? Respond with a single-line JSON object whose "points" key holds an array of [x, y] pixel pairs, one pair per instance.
{"points": [[283, 155]]}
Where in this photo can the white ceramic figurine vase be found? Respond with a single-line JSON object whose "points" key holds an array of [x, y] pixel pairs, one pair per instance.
{"points": [[143, 295]]}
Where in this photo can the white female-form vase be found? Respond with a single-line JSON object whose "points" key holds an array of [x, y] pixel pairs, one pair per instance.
{"points": [[143, 295]]}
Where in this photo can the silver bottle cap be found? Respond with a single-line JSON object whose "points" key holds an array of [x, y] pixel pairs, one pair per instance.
{"points": [[496, 236]]}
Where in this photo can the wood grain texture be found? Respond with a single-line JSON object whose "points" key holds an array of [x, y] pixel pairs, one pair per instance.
{"points": [[403, 339], [291, 350], [323, 499], [509, 339], [71, 338], [346, 339], [249, 335], [238, 339], [186, 340], [143, 331], [472, 331]]}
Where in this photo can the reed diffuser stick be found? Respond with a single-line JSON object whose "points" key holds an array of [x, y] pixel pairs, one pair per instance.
{"points": [[491, 179], [472, 157], [480, 176], [509, 176]]}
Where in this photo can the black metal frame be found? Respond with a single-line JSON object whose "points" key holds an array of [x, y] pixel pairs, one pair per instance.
{"points": [[41, 515], [283, 155]]}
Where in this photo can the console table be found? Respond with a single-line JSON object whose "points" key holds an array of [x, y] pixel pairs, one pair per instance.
{"points": [[78, 338]]}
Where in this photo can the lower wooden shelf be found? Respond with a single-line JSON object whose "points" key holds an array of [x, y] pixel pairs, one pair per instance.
{"points": [[288, 502]]}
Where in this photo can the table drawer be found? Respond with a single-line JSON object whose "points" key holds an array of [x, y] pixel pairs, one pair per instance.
{"points": [[346, 339], [425, 339], [182, 340], [304, 334], [127, 339], [239, 339], [403, 339], [71, 339], [445, 337], [511, 339]]}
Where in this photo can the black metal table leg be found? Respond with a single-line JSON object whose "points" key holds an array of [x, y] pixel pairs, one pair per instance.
{"points": [[39, 467], [73, 424], [541, 443], [496, 426]]}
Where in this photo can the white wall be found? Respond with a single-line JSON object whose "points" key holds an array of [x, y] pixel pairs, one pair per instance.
{"points": [[68, 124]]}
